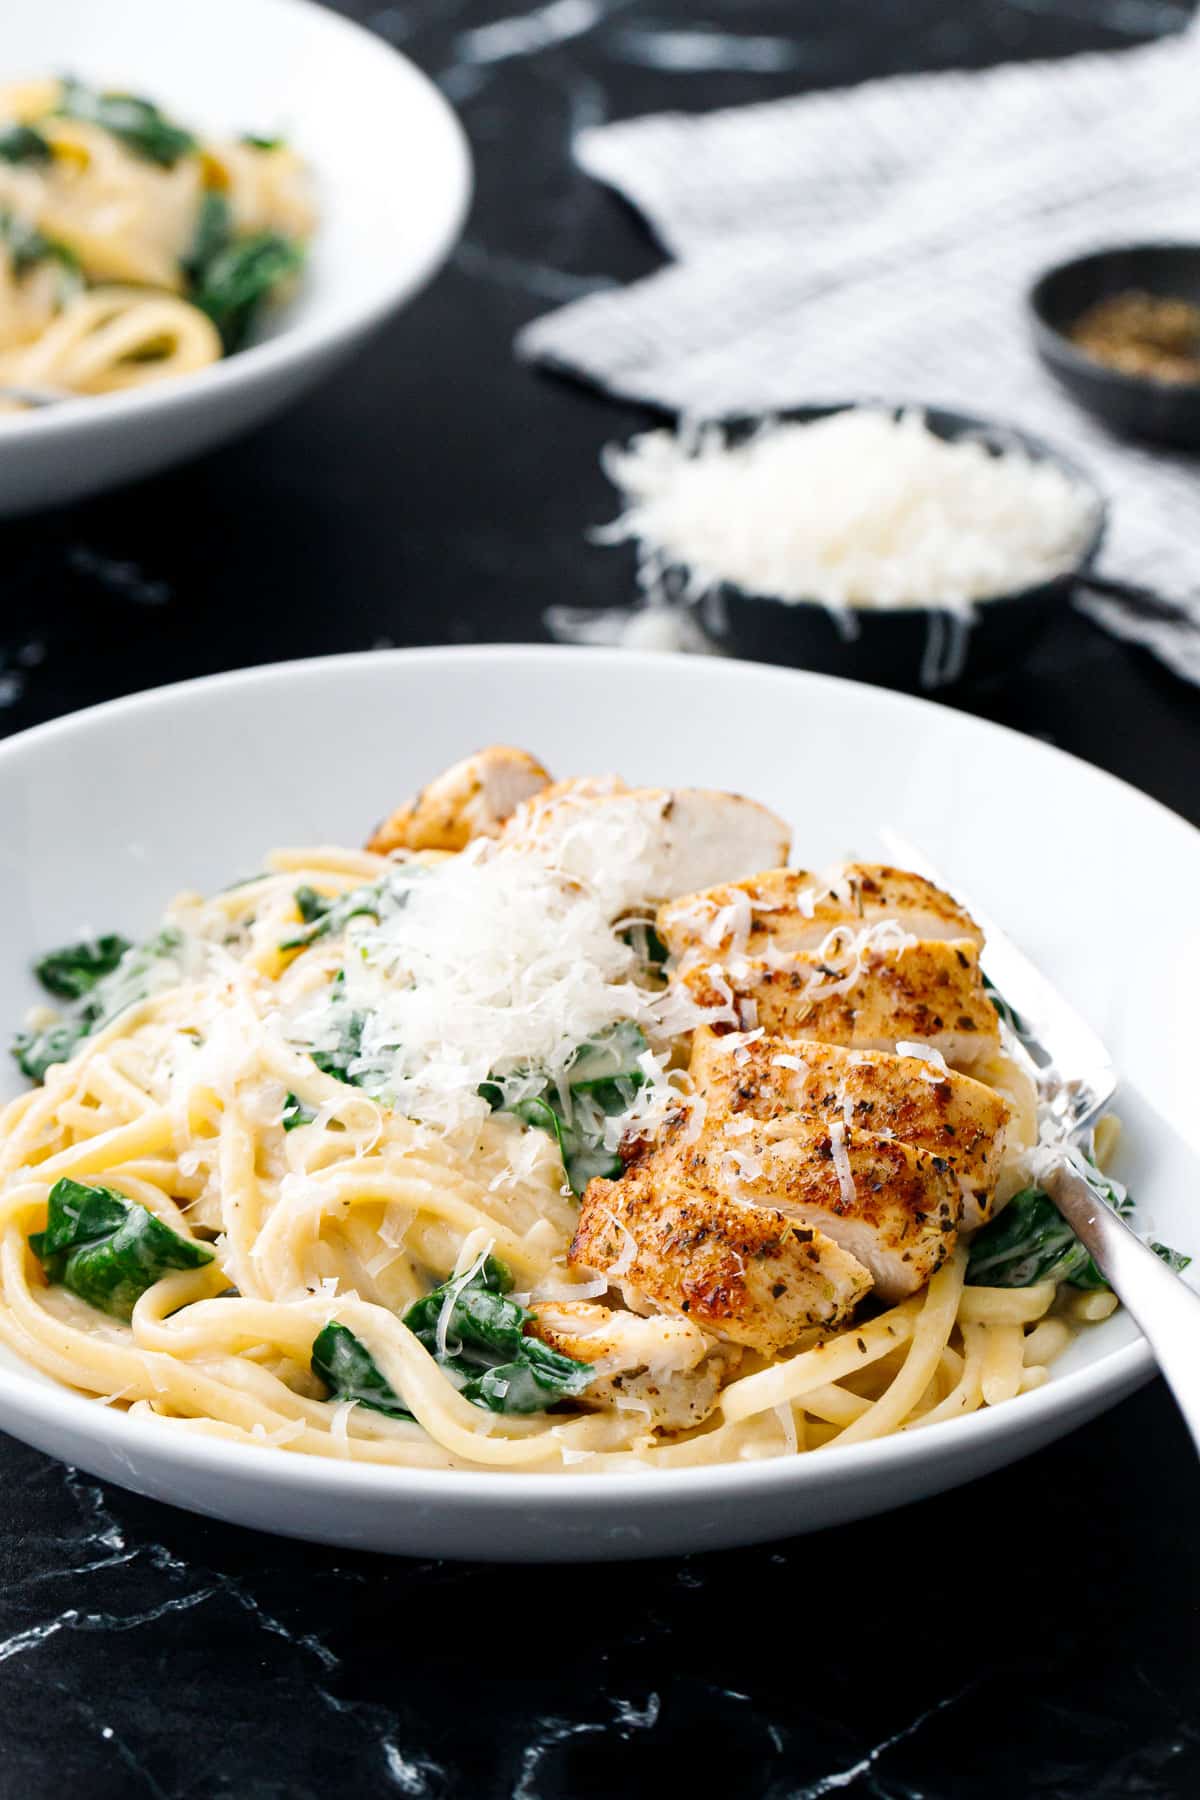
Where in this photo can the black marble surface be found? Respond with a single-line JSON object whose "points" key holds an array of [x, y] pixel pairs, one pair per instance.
{"points": [[1036, 1634]]}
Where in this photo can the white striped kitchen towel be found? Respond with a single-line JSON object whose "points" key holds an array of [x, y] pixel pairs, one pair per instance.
{"points": [[879, 241]]}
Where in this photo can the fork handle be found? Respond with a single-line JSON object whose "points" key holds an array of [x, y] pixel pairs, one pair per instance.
{"points": [[1167, 1310]]}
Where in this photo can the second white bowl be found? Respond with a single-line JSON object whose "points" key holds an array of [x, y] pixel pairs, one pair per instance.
{"points": [[392, 177]]}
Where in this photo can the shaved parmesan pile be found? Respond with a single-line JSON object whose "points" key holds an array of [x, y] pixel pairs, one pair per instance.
{"points": [[491, 965], [859, 509]]}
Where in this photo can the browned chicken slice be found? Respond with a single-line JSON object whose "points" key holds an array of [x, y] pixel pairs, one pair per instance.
{"points": [[893, 1206], [471, 799], [917, 1102], [665, 1367], [675, 1229], [881, 994], [785, 910], [639, 846]]}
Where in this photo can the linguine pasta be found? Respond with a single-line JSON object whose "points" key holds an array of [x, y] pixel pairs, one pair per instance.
{"points": [[130, 250], [306, 1171]]}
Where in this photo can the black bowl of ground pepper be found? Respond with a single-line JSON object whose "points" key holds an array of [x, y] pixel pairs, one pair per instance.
{"points": [[1142, 405], [916, 648]]}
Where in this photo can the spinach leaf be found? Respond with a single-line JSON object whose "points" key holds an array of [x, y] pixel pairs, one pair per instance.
{"points": [[1174, 1259], [137, 123], [108, 995], [107, 1249], [530, 1383], [229, 277], [647, 946], [597, 1066], [22, 144], [235, 281], [586, 1162], [347, 1367], [27, 247], [1030, 1241], [601, 1078], [73, 971], [491, 1360], [488, 1357], [37, 1051], [346, 1026], [580, 1143], [347, 1050], [481, 1316], [312, 906], [328, 917], [296, 1113], [214, 231]]}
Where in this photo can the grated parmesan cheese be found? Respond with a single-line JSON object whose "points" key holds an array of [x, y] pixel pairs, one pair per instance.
{"points": [[492, 964], [841, 1163], [858, 509], [625, 1261], [938, 1069]]}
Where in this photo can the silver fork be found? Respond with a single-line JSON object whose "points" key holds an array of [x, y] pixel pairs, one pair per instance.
{"points": [[1075, 1080]]}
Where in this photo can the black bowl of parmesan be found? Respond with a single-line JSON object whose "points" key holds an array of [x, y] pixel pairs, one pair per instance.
{"points": [[908, 546]]}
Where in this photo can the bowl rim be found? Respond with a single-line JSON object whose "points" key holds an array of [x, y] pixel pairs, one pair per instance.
{"points": [[1042, 593], [293, 344], [1058, 348], [1064, 1399]]}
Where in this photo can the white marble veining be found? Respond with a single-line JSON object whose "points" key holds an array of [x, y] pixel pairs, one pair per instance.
{"points": [[525, 34], [692, 52]]}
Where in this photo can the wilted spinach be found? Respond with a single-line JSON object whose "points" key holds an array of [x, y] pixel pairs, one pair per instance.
{"points": [[109, 1250], [73, 971], [348, 1369], [487, 1356], [27, 247], [325, 916], [296, 1113], [99, 1000], [22, 144], [137, 123], [601, 1080], [238, 278], [1030, 1241]]}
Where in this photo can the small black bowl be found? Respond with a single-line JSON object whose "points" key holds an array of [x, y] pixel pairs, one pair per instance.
{"points": [[1162, 411], [917, 648]]}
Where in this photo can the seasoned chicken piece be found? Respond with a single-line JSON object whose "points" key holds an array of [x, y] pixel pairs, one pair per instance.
{"points": [[869, 998], [785, 910], [917, 1102], [471, 799], [664, 1366], [675, 1229], [638, 846], [893, 1206]]}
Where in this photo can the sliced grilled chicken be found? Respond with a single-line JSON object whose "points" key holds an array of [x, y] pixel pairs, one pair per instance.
{"points": [[665, 1367], [893, 1206], [917, 1102], [792, 909], [641, 845], [675, 1228], [471, 799], [869, 998]]}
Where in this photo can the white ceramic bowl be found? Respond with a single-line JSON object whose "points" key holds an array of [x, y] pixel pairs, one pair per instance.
{"points": [[109, 812], [392, 179]]}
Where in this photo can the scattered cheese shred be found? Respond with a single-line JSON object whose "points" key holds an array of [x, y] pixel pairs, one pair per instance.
{"points": [[491, 964]]}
